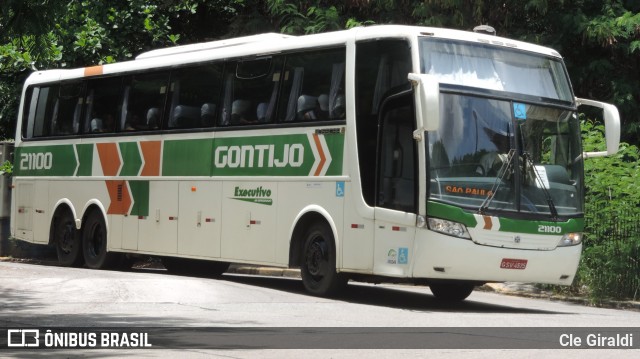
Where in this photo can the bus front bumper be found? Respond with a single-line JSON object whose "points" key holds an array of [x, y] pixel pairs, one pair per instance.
{"points": [[437, 256]]}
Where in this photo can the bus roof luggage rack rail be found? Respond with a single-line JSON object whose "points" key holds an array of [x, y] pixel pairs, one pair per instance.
{"points": [[211, 45]]}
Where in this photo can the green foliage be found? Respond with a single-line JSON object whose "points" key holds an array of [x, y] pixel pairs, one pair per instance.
{"points": [[610, 267], [47, 34], [6, 168]]}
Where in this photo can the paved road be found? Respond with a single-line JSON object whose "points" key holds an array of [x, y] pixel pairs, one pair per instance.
{"points": [[37, 295]]}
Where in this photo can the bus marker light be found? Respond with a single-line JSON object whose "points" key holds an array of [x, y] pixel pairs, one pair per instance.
{"points": [[193, 189], [357, 226]]}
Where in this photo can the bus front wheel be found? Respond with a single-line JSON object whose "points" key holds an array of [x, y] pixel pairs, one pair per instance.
{"points": [[451, 292], [67, 240], [94, 243], [318, 269]]}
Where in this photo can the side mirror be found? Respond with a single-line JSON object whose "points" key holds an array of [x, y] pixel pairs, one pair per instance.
{"points": [[427, 100], [611, 126]]}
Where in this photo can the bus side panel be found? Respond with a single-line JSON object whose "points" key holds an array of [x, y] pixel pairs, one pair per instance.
{"points": [[158, 232], [24, 210], [249, 221], [298, 198], [357, 246], [200, 207]]}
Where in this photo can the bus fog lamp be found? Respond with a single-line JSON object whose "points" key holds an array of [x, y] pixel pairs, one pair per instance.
{"points": [[449, 228], [570, 239]]}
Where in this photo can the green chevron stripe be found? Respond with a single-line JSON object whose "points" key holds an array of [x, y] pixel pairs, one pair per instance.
{"points": [[85, 157], [131, 159]]}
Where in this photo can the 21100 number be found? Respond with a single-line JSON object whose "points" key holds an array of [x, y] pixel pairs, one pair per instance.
{"points": [[36, 161]]}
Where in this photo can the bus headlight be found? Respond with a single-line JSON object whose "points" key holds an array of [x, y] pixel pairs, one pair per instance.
{"points": [[570, 239], [449, 228]]}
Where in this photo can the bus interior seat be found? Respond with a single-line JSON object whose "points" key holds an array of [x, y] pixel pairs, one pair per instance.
{"points": [[323, 106], [96, 125], [306, 108], [261, 112], [153, 118], [557, 174], [208, 114], [186, 117], [240, 110]]}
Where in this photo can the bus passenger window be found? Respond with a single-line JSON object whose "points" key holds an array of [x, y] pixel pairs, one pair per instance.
{"points": [[313, 87], [102, 101], [144, 102], [194, 94], [250, 92], [65, 118]]}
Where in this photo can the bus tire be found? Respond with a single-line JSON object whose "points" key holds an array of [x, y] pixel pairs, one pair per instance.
{"points": [[94, 243], [66, 239], [318, 267], [451, 292]]}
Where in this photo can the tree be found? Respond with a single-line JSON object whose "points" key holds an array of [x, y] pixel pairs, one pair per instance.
{"points": [[49, 34]]}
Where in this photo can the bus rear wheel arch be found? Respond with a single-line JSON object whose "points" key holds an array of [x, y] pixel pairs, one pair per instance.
{"points": [[66, 238]]}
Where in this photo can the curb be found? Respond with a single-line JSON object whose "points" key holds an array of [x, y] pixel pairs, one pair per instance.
{"points": [[264, 271]]}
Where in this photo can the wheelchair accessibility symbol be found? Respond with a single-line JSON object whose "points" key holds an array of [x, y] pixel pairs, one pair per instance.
{"points": [[520, 111], [339, 189]]}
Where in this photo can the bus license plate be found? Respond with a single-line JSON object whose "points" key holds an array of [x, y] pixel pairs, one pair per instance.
{"points": [[509, 263]]}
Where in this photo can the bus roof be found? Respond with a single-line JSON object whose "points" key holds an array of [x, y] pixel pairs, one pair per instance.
{"points": [[272, 43]]}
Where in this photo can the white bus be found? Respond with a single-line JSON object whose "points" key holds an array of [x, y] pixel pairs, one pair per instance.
{"points": [[385, 153]]}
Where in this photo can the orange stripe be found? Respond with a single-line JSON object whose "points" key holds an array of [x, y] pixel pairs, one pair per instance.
{"points": [[487, 222], [120, 197], [151, 154], [323, 159], [109, 158], [93, 70]]}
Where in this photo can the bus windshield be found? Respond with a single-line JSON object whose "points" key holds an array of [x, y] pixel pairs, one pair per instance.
{"points": [[491, 154], [495, 68], [494, 155]]}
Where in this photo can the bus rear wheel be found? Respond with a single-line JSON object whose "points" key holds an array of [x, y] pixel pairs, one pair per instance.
{"points": [[451, 292], [94, 243], [67, 240], [318, 269]]}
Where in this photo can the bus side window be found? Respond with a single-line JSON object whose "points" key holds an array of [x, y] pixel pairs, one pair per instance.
{"points": [[144, 102], [67, 110], [313, 87], [251, 91], [381, 71], [195, 91], [102, 105], [397, 170], [41, 111]]}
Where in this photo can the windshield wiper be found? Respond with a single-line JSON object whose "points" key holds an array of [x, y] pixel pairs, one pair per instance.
{"points": [[504, 169], [538, 179]]}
